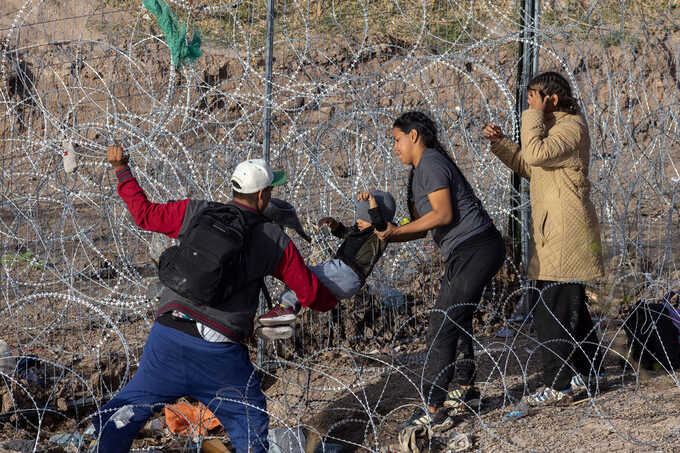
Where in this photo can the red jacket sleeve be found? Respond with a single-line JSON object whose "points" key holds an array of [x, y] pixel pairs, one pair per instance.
{"points": [[292, 271], [163, 218]]}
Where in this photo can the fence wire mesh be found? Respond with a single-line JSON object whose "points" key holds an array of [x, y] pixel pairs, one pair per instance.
{"points": [[78, 275]]}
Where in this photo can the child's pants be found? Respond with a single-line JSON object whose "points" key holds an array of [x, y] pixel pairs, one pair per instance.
{"points": [[335, 275], [175, 364]]}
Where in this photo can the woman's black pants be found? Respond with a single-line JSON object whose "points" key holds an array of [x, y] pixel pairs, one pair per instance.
{"points": [[565, 331], [469, 268]]}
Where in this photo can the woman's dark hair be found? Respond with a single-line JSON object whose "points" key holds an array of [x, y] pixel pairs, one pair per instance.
{"points": [[550, 83], [427, 131]]}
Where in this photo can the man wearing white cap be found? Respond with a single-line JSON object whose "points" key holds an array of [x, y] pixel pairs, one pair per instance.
{"points": [[196, 349]]}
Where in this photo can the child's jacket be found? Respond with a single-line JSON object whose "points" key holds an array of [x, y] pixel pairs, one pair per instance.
{"points": [[360, 250]]}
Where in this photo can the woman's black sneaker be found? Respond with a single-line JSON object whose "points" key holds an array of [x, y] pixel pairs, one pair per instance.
{"points": [[461, 399], [439, 421]]}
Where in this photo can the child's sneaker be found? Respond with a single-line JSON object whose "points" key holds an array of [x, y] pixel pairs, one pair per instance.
{"points": [[461, 399], [275, 333], [281, 314], [549, 397]]}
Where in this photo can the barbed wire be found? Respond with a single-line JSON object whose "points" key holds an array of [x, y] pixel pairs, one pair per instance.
{"points": [[76, 272]]}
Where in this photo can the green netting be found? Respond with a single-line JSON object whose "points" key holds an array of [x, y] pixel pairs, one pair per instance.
{"points": [[175, 33]]}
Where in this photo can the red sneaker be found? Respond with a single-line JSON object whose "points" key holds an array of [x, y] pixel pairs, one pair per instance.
{"points": [[279, 315]]}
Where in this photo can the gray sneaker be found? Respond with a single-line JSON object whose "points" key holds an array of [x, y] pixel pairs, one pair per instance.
{"points": [[275, 333], [549, 397], [595, 385], [578, 384]]}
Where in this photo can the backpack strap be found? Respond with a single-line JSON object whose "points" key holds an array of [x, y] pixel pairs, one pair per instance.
{"points": [[263, 286]]}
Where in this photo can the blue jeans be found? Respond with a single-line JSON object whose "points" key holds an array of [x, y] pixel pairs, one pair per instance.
{"points": [[175, 364], [335, 275]]}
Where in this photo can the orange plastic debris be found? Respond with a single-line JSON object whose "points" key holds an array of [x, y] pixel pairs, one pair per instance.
{"points": [[190, 420]]}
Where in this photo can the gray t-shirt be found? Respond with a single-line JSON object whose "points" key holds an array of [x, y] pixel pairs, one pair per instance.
{"points": [[434, 172]]}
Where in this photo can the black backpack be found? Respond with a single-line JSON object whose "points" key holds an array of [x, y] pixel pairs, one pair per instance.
{"points": [[652, 336], [209, 263]]}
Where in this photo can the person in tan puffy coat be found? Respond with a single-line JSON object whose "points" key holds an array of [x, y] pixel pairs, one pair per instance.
{"points": [[565, 235]]}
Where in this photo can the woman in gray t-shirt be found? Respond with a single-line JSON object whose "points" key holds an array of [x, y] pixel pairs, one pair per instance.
{"points": [[442, 201]]}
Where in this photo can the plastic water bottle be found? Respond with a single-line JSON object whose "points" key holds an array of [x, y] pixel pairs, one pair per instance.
{"points": [[520, 411], [122, 416]]}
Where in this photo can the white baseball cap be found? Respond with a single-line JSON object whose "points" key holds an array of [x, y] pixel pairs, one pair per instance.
{"points": [[253, 175]]}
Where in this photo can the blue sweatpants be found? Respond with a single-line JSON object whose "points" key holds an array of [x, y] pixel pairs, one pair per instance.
{"points": [[175, 364]]}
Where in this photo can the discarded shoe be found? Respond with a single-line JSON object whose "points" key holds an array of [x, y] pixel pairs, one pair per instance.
{"points": [[549, 397]]}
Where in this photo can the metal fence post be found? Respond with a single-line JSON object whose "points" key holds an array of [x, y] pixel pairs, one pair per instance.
{"points": [[527, 64], [268, 81], [520, 211], [266, 144]]}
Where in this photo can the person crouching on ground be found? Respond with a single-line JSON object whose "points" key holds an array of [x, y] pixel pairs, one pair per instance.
{"points": [[197, 350]]}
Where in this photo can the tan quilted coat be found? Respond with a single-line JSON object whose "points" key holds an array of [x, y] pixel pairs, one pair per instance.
{"points": [[565, 230]]}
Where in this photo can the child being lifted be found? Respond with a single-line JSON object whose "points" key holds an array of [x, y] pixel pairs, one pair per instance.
{"points": [[346, 273]]}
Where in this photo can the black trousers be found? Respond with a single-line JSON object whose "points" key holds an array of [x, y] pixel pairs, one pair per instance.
{"points": [[565, 330], [468, 270]]}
